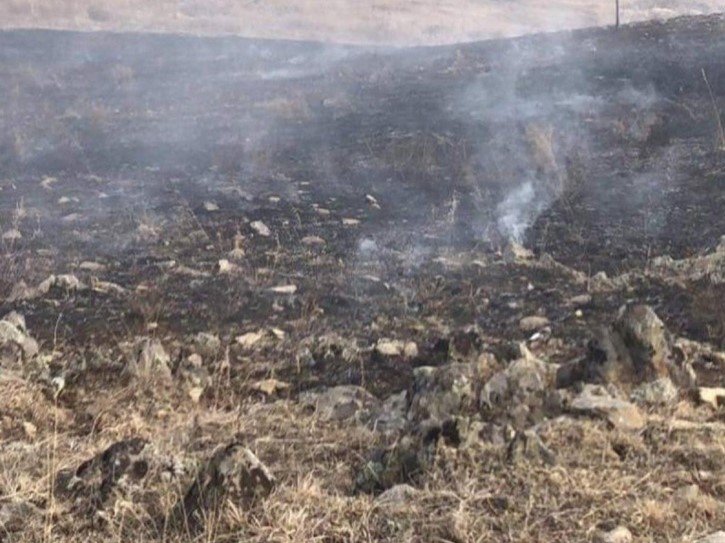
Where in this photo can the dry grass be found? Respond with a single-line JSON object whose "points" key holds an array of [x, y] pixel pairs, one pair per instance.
{"points": [[379, 21], [602, 477]]}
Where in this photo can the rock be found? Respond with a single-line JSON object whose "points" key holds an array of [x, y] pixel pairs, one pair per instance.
{"points": [[207, 344], [620, 534], [312, 240], [271, 387], [65, 282], [224, 266], [646, 340], [580, 300], [515, 253], [395, 347], [260, 228], [636, 349], [528, 446], [148, 360], [390, 416], [342, 402], [533, 323], [400, 464], [15, 516], [397, 496], [717, 537], [715, 397], [390, 347], [93, 482], [13, 332], [659, 392], [596, 401], [232, 473], [516, 394], [687, 494], [440, 393], [284, 289]]}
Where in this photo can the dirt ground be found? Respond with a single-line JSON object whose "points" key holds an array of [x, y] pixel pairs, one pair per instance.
{"points": [[389, 22], [329, 258]]}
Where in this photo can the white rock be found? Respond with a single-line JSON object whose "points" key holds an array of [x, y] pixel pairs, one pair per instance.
{"points": [[619, 535], [717, 537], [260, 228], [533, 323], [284, 289]]}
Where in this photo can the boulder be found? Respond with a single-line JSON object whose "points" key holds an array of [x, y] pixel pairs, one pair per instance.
{"points": [[636, 349], [717, 537]]}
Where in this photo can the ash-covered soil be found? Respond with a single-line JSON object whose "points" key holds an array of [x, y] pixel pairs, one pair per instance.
{"points": [[249, 286]]}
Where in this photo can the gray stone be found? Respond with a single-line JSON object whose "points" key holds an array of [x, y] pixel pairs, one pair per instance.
{"points": [[398, 495], [533, 323], [207, 345], [659, 392], [442, 392], [596, 401], [620, 534], [717, 537], [342, 402]]}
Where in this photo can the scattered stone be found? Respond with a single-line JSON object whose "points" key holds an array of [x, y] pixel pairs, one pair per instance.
{"points": [[350, 222], [12, 235], [260, 228], [13, 332], [391, 415], [341, 403], [94, 267], [395, 347], [533, 323], [207, 344], [312, 240], [596, 401], [234, 474], [210, 207], [271, 387], [687, 494], [659, 392], [440, 393], [398, 495], [581, 300], [515, 253], [284, 289], [67, 282], [714, 397], [620, 534], [224, 266], [250, 339], [717, 537]]}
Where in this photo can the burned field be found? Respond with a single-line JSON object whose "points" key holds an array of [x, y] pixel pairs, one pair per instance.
{"points": [[251, 290]]}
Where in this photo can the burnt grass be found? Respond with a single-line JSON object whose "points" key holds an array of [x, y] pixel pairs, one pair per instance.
{"points": [[380, 174]]}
